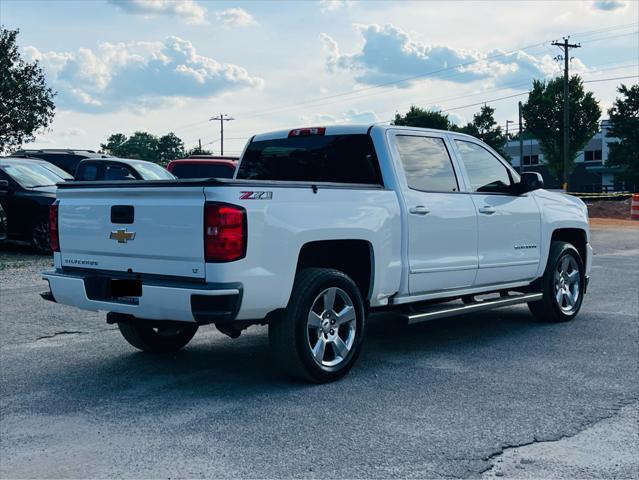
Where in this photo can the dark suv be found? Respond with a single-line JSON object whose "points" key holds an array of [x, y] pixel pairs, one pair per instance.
{"points": [[65, 159], [27, 189]]}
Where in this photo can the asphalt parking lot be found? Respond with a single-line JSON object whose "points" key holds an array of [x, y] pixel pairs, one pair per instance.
{"points": [[496, 393]]}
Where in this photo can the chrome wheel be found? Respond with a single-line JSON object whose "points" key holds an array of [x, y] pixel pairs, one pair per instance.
{"points": [[40, 237], [567, 284], [331, 327]]}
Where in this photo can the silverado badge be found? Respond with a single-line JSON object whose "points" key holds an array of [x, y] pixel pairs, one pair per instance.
{"points": [[121, 235]]}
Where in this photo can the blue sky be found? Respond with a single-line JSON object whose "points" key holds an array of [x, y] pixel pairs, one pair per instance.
{"points": [[161, 65]]}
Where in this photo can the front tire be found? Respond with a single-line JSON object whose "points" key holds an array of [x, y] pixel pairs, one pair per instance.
{"points": [[159, 339], [318, 337], [40, 239], [562, 285]]}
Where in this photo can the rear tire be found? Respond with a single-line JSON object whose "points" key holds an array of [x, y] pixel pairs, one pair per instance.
{"points": [[562, 285], [318, 337], [158, 340]]}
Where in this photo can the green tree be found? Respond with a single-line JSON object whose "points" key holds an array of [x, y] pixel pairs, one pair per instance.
{"points": [[142, 145], [115, 145], [199, 151], [26, 103], [170, 147], [486, 129], [543, 113], [419, 117], [624, 125]]}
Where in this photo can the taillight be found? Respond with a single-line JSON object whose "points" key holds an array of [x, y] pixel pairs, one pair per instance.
{"points": [[307, 132], [54, 236], [224, 232]]}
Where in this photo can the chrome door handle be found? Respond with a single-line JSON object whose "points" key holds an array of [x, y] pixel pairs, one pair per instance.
{"points": [[487, 209], [419, 210]]}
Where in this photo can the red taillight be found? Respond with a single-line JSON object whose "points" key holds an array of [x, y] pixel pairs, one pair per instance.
{"points": [[54, 237], [224, 232], [307, 132]]}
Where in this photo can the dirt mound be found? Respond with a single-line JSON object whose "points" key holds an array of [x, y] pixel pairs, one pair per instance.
{"points": [[609, 208]]}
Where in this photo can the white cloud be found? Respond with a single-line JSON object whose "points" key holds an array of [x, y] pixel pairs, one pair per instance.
{"points": [[609, 5], [235, 17], [388, 54], [188, 10], [72, 132], [351, 116], [334, 5], [137, 75]]}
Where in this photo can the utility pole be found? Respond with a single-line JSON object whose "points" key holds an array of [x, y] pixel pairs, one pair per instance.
{"points": [[566, 57], [199, 141], [222, 117], [507, 139], [521, 143]]}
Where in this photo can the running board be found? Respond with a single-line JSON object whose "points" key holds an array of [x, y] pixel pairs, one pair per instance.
{"points": [[442, 311]]}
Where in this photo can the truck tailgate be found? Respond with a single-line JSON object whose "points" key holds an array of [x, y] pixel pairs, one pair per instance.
{"points": [[136, 230]]}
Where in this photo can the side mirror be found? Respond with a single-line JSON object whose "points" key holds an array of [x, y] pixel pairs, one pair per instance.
{"points": [[530, 181], [4, 187]]}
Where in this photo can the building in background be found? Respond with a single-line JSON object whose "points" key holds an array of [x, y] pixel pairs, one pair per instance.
{"points": [[591, 174]]}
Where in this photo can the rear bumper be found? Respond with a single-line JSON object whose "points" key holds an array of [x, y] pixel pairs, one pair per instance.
{"points": [[161, 299]]}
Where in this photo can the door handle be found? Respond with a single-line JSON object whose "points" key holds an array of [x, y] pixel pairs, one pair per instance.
{"points": [[419, 210], [487, 209]]}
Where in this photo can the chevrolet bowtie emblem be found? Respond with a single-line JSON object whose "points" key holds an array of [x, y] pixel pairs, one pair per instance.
{"points": [[121, 235]]}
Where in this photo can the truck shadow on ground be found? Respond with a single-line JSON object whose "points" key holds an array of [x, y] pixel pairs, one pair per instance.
{"points": [[217, 368]]}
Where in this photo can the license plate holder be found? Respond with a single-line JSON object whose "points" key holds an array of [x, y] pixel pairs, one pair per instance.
{"points": [[124, 289]]}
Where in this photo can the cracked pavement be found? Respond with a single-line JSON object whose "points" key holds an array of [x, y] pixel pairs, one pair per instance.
{"points": [[439, 399]]}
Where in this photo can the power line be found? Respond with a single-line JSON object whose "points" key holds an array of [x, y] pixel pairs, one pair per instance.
{"points": [[614, 78], [319, 100], [427, 74], [461, 107], [489, 90], [527, 92]]}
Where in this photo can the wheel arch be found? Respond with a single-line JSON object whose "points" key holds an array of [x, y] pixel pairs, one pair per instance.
{"points": [[575, 236], [353, 257]]}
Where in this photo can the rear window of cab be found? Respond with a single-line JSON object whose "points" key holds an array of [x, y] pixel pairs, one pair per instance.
{"points": [[313, 158]]}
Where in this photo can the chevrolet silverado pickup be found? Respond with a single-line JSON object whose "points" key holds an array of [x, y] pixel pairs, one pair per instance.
{"points": [[319, 228]]}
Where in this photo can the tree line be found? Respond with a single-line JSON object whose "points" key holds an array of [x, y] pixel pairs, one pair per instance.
{"points": [[27, 108], [146, 146], [543, 116]]}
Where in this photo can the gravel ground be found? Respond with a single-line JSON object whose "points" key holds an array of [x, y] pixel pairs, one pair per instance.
{"points": [[459, 397]]}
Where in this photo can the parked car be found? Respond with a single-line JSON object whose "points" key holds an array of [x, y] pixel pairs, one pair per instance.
{"points": [[27, 189], [320, 227], [112, 168], [65, 159], [203, 166]]}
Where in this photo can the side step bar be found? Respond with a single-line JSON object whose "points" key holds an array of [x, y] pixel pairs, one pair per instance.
{"points": [[442, 311]]}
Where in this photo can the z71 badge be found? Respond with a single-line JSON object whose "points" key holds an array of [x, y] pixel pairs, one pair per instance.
{"points": [[256, 195]]}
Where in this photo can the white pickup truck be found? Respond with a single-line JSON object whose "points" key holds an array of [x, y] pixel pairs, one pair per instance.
{"points": [[319, 228]]}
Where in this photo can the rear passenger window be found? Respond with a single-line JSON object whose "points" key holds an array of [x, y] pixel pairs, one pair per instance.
{"points": [[426, 164], [116, 172], [88, 172], [194, 170], [315, 158], [486, 173]]}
